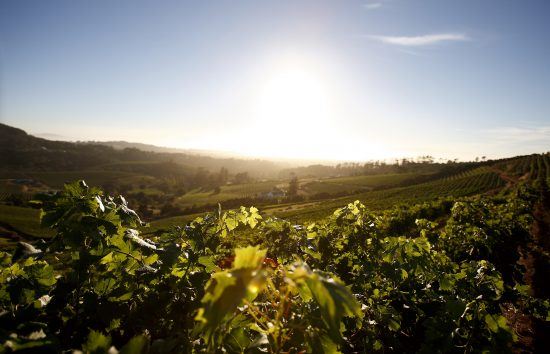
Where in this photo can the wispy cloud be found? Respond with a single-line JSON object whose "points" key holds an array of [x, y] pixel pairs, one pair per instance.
{"points": [[372, 5], [424, 40], [521, 134]]}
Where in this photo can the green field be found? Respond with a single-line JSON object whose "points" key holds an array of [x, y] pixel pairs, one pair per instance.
{"points": [[22, 221], [248, 190], [93, 178]]}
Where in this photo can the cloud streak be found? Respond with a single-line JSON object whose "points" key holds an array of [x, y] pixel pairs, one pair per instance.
{"points": [[520, 134], [373, 5], [424, 40]]}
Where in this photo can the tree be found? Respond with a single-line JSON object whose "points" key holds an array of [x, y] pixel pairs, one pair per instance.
{"points": [[223, 176], [241, 178], [293, 187]]}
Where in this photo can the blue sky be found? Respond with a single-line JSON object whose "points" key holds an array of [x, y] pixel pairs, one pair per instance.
{"points": [[310, 79]]}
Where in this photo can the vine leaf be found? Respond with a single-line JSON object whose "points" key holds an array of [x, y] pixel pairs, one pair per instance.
{"points": [[136, 345], [334, 299], [97, 343], [226, 290]]}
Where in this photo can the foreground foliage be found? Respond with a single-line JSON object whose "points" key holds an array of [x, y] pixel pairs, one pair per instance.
{"points": [[427, 278]]}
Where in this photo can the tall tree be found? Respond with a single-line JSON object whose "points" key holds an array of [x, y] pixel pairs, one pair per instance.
{"points": [[293, 187]]}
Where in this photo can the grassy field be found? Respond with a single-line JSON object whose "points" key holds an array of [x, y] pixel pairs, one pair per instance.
{"points": [[56, 180], [93, 178], [248, 190], [22, 221]]}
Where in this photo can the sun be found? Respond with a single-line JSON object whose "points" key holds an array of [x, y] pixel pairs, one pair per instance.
{"points": [[294, 107], [294, 96]]}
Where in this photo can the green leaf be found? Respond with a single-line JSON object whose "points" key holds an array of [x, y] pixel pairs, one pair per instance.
{"points": [[307, 250], [124, 297], [455, 308], [321, 344], [491, 323], [136, 345], [503, 323], [237, 340], [44, 275], [227, 289], [254, 217], [335, 301], [107, 259], [208, 263], [97, 343], [249, 257], [151, 259], [105, 286], [394, 325], [524, 290], [231, 221], [446, 283]]}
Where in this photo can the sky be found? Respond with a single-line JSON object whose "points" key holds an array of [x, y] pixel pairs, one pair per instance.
{"points": [[328, 80]]}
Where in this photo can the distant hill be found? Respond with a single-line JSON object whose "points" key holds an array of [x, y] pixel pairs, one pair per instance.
{"points": [[24, 152], [21, 151], [15, 138], [121, 145]]}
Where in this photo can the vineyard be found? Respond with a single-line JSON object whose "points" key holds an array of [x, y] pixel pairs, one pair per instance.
{"points": [[533, 167], [356, 183], [448, 273], [470, 183], [377, 192]]}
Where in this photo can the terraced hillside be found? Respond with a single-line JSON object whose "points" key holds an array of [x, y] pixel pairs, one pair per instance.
{"points": [[530, 167], [476, 181]]}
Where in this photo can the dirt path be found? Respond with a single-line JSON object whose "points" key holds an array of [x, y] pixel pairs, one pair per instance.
{"points": [[511, 181], [540, 247], [533, 334]]}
